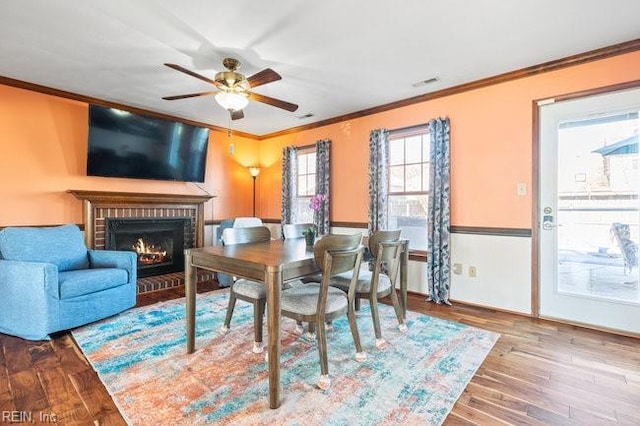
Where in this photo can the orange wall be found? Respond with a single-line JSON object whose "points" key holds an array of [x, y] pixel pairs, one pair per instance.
{"points": [[43, 146], [43, 152], [491, 145]]}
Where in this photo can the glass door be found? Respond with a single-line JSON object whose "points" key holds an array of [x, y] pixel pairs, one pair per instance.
{"points": [[589, 218]]}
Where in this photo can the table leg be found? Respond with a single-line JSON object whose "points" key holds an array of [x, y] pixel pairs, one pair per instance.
{"points": [[273, 281], [404, 268], [190, 296]]}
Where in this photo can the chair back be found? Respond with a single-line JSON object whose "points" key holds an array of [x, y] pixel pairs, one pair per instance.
{"points": [[334, 255], [382, 236], [295, 230], [327, 253], [252, 234]]}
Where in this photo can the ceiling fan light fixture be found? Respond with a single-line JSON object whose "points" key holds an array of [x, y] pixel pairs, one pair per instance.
{"points": [[232, 101]]}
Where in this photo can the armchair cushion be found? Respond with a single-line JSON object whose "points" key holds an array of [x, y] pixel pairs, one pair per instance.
{"points": [[86, 281], [62, 246]]}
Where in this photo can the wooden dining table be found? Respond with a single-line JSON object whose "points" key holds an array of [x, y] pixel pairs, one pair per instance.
{"points": [[272, 263]]}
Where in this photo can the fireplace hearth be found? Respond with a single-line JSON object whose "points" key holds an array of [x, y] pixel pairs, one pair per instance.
{"points": [[159, 242]]}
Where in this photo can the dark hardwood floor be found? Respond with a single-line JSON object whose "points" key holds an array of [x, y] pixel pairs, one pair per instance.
{"points": [[538, 373]]}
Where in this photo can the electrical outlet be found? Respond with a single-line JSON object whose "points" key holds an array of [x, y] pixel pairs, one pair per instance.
{"points": [[457, 268], [473, 272], [521, 189]]}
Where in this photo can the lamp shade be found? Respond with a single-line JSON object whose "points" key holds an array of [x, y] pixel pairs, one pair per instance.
{"points": [[232, 101], [255, 171]]}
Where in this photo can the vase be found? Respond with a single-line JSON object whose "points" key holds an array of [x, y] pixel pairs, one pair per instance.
{"points": [[310, 238]]}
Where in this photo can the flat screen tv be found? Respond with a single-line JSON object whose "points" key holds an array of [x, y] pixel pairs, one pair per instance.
{"points": [[128, 145]]}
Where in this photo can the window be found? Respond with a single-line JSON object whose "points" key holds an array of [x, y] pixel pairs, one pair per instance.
{"points": [[306, 187], [409, 184]]}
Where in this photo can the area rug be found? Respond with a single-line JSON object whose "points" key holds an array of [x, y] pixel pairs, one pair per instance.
{"points": [[140, 356]]}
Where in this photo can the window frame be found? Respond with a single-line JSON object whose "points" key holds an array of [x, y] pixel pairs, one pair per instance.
{"points": [[304, 199], [405, 133], [304, 152]]}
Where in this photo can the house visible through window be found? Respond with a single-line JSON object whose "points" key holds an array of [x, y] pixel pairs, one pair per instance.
{"points": [[306, 184], [409, 184]]}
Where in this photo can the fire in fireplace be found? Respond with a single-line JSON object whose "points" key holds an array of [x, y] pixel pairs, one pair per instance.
{"points": [[159, 242], [149, 254]]}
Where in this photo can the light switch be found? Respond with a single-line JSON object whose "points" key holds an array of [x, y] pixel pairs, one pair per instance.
{"points": [[521, 189]]}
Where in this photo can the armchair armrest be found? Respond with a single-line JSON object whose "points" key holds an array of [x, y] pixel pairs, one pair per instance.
{"points": [[127, 260], [27, 280]]}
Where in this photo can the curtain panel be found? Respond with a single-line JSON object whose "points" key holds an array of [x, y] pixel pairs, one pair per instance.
{"points": [[378, 178], [289, 183], [439, 213], [323, 156]]}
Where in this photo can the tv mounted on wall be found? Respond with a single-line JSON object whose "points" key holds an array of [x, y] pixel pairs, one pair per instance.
{"points": [[128, 145]]}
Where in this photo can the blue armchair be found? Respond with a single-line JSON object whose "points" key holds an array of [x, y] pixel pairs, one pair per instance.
{"points": [[50, 281]]}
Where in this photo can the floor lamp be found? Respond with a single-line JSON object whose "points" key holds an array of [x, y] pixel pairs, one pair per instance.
{"points": [[255, 171]]}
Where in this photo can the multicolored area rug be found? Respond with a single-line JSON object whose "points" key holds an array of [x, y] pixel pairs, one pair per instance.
{"points": [[140, 355]]}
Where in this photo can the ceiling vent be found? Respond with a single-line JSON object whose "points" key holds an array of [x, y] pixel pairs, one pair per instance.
{"points": [[425, 82]]}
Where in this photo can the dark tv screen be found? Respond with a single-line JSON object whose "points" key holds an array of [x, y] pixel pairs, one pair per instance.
{"points": [[124, 144]]}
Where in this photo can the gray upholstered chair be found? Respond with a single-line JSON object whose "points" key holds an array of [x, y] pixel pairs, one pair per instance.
{"points": [[319, 302], [386, 249], [295, 231], [247, 290]]}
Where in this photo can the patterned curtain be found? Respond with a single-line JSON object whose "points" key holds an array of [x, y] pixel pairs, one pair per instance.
{"points": [[438, 220], [289, 182], [323, 150], [378, 178]]}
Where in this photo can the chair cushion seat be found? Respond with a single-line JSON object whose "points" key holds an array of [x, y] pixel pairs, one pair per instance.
{"points": [[248, 288], [363, 286], [304, 299], [85, 281]]}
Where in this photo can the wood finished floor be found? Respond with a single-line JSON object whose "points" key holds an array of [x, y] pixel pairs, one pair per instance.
{"points": [[538, 373]]}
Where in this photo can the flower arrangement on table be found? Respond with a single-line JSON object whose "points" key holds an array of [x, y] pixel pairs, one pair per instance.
{"points": [[315, 204]]}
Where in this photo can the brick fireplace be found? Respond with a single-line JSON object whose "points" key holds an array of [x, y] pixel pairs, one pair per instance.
{"points": [[168, 222]]}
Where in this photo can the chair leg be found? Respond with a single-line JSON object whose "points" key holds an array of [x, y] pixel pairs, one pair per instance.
{"points": [[396, 306], [357, 303], [230, 308], [361, 356], [258, 313], [375, 316], [325, 382]]}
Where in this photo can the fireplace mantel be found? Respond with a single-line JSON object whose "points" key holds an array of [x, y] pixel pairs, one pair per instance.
{"points": [[100, 204], [138, 197]]}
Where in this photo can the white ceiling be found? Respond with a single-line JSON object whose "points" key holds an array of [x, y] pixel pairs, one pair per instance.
{"points": [[335, 56]]}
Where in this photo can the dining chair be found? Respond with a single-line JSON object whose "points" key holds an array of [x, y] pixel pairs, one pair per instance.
{"points": [[373, 285], [247, 290], [295, 230], [317, 303]]}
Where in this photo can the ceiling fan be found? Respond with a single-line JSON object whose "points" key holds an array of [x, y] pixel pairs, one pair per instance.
{"points": [[233, 88]]}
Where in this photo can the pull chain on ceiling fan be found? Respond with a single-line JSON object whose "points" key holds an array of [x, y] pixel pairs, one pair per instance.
{"points": [[233, 88]]}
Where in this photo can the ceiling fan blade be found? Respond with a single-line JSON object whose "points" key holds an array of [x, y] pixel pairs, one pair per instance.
{"points": [[190, 95], [191, 73], [273, 101], [263, 77], [237, 115]]}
